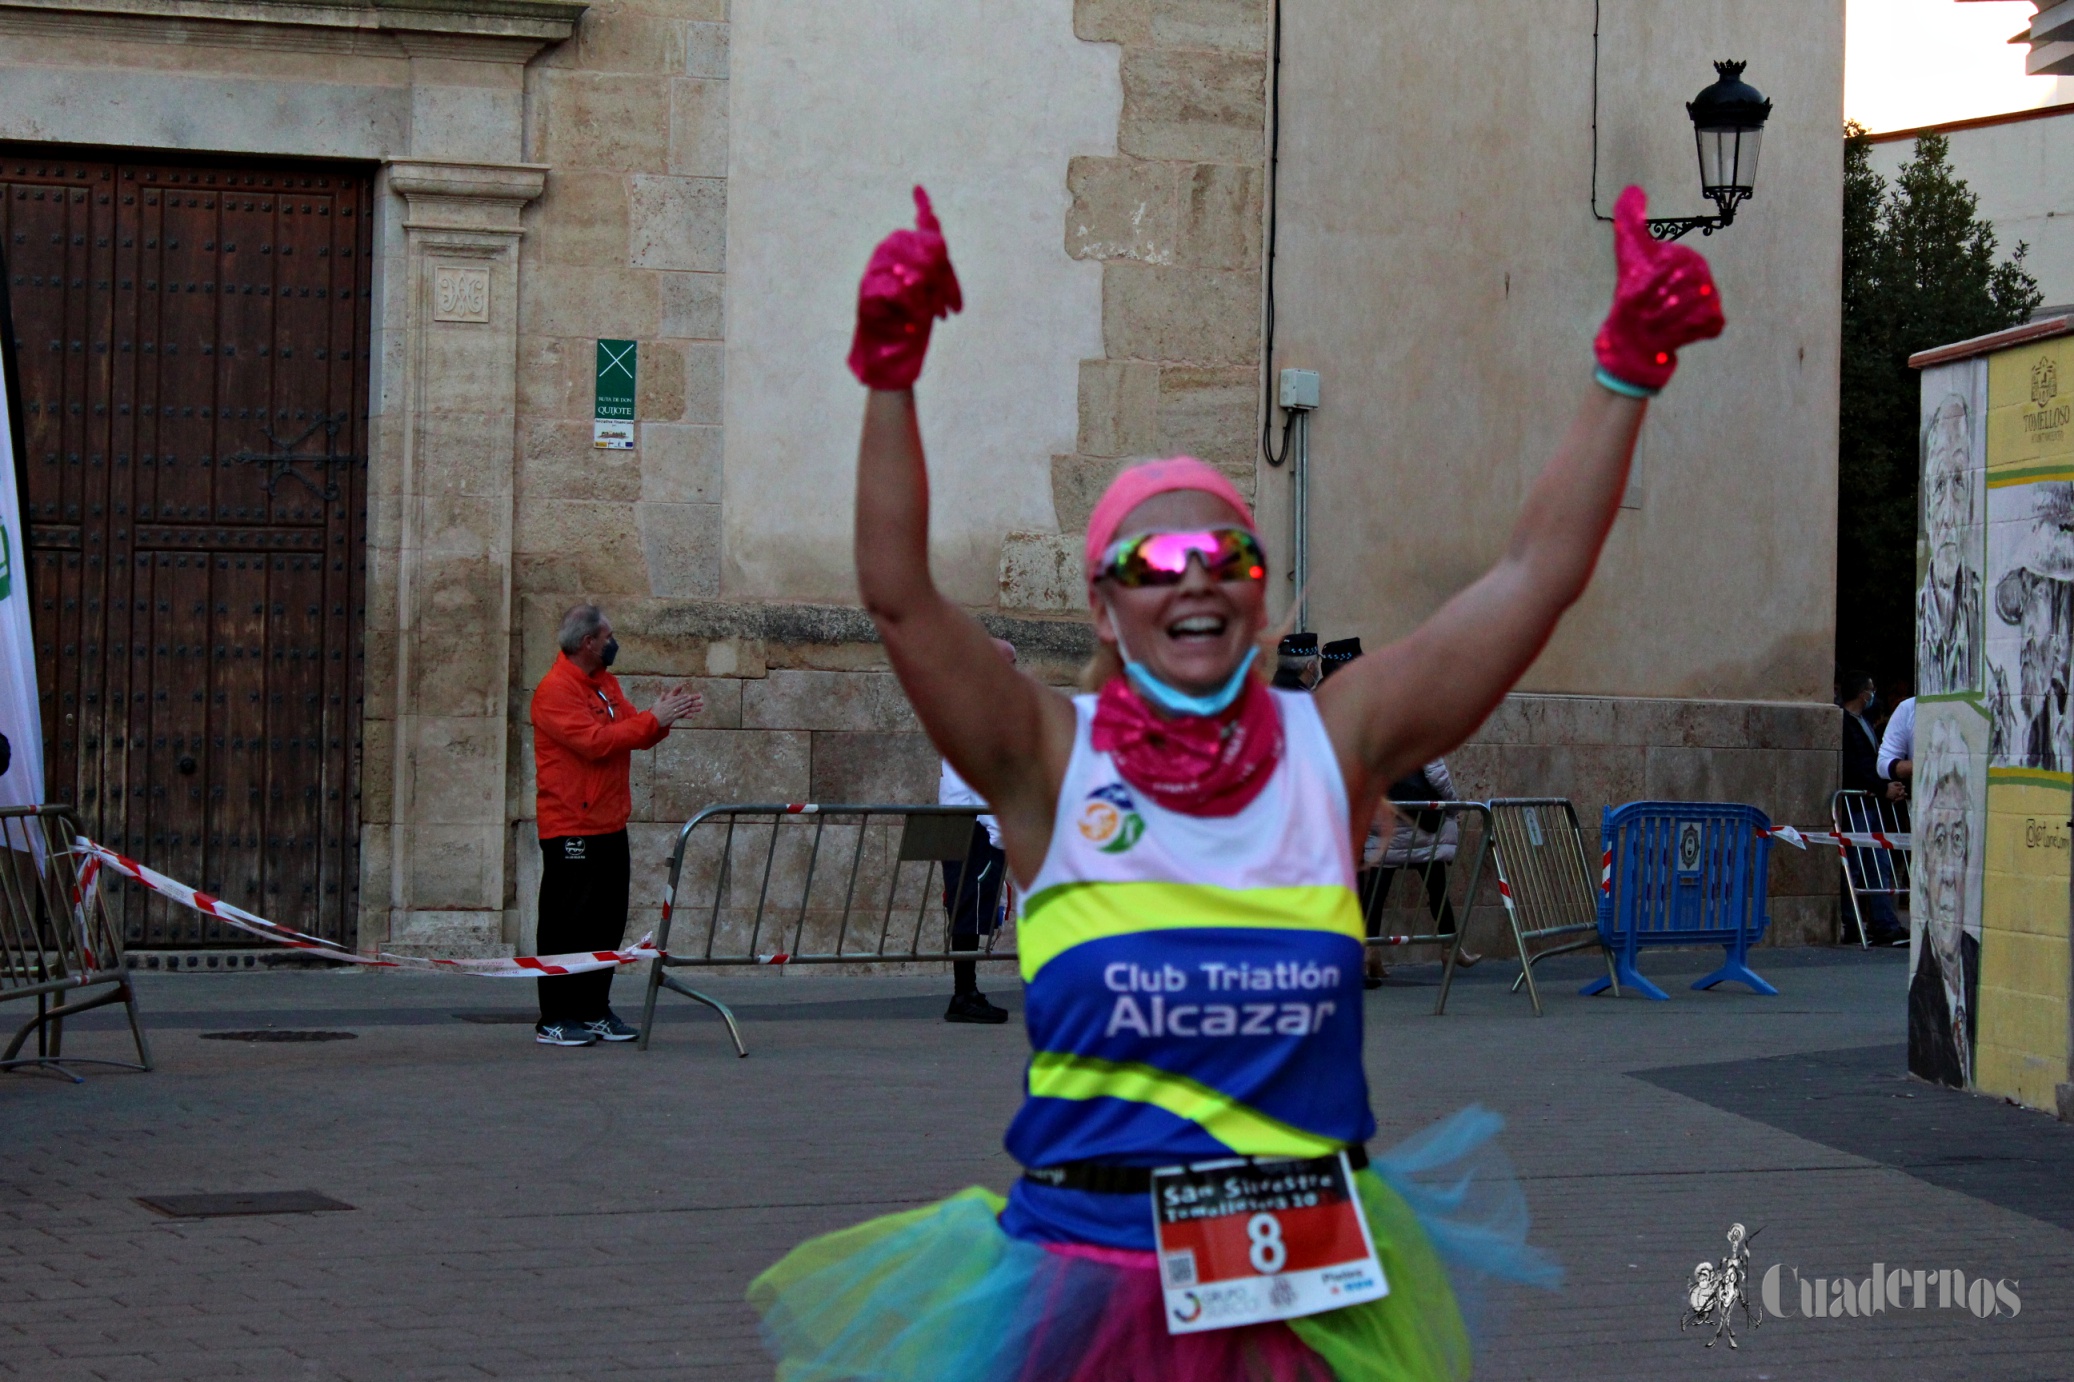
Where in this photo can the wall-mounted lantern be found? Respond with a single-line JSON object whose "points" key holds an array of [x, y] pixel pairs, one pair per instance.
{"points": [[1727, 125]]}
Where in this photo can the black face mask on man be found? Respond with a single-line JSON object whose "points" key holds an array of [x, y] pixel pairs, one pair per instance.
{"points": [[609, 652]]}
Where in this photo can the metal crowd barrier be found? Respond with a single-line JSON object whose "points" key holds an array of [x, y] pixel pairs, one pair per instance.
{"points": [[1684, 873], [1870, 871], [1423, 831], [54, 943], [811, 884], [1544, 879]]}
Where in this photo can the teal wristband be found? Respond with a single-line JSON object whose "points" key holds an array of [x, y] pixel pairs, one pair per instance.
{"points": [[1621, 386]]}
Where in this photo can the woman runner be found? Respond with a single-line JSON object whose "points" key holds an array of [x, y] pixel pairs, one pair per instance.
{"points": [[1189, 935]]}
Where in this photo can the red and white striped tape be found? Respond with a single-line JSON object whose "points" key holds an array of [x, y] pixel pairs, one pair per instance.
{"points": [[95, 857], [1900, 841]]}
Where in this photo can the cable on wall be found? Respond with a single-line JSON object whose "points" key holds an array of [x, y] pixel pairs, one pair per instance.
{"points": [[1274, 211]]}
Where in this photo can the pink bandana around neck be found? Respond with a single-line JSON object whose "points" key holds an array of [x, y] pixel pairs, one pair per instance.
{"points": [[1199, 765]]}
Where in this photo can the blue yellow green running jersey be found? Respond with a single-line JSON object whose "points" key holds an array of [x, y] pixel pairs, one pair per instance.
{"points": [[1193, 984]]}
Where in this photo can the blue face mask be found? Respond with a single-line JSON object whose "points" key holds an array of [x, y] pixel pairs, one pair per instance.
{"points": [[1172, 699]]}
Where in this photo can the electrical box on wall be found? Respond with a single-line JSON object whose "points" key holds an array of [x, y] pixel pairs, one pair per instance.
{"points": [[1299, 388]]}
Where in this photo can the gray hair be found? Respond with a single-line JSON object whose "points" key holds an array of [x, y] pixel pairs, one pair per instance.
{"points": [[578, 624]]}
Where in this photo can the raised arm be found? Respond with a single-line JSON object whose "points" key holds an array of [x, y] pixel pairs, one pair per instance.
{"points": [[1005, 734], [1421, 696]]}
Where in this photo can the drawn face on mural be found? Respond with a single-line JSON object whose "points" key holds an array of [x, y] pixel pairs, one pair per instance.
{"points": [[1947, 488], [1944, 845]]}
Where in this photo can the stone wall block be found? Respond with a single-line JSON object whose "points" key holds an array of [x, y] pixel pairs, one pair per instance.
{"points": [[464, 454], [1808, 920], [1185, 316], [555, 377], [584, 547], [1119, 408], [678, 223], [1221, 216], [1748, 776], [449, 786], [698, 127], [465, 370], [1077, 483], [1042, 571], [461, 525], [723, 695], [377, 776], [1123, 208], [1195, 105], [892, 709], [582, 219], [458, 665], [874, 767], [860, 701], [679, 463], [696, 768], [681, 545], [705, 50], [705, 383], [557, 460], [1779, 725], [693, 306], [1238, 26], [378, 680], [619, 38], [583, 303], [1113, 21], [659, 384], [603, 121], [1211, 414], [1807, 779], [791, 699], [1235, 26], [468, 933]]}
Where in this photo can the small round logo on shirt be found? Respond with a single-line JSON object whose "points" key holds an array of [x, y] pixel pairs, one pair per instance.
{"points": [[1109, 819]]}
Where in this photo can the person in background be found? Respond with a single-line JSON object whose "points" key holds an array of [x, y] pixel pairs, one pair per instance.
{"points": [[1857, 696], [1296, 662], [972, 889], [1336, 655], [1897, 751], [1423, 840], [584, 734]]}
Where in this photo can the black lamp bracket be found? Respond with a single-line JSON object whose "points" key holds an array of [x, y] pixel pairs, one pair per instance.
{"points": [[1677, 227]]}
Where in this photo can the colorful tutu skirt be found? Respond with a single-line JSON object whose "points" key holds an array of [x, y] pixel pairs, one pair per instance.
{"points": [[942, 1294]]}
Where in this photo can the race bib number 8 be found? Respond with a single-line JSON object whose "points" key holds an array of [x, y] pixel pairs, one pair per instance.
{"points": [[1242, 1241]]}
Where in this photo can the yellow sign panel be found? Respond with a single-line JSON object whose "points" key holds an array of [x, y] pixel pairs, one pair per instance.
{"points": [[2030, 413], [2021, 1051]]}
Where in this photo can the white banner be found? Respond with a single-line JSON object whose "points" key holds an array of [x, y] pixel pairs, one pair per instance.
{"points": [[20, 719]]}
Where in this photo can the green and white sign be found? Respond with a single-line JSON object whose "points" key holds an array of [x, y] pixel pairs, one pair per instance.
{"points": [[617, 369]]}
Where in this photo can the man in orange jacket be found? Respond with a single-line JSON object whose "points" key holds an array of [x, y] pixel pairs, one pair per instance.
{"points": [[584, 734]]}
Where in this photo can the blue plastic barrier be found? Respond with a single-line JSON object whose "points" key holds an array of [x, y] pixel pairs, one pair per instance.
{"points": [[1684, 873]]}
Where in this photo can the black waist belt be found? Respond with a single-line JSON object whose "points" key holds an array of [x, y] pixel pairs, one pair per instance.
{"points": [[1107, 1178]]}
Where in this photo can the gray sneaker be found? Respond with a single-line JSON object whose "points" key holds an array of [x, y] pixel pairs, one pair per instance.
{"points": [[610, 1028], [564, 1034]]}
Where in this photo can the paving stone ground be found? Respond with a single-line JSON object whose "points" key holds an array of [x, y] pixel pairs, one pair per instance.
{"points": [[530, 1213]]}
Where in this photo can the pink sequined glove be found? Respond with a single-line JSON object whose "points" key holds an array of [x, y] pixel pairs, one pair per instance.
{"points": [[908, 284], [1664, 299]]}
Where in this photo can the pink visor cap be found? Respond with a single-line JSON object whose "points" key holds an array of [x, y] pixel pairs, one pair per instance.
{"points": [[1141, 482]]}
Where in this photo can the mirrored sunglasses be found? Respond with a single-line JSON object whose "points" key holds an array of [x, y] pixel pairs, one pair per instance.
{"points": [[1227, 554]]}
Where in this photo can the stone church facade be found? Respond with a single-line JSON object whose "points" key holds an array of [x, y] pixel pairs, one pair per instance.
{"points": [[705, 178]]}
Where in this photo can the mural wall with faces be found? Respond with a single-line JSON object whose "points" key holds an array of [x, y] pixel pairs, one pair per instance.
{"points": [[1988, 1004]]}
